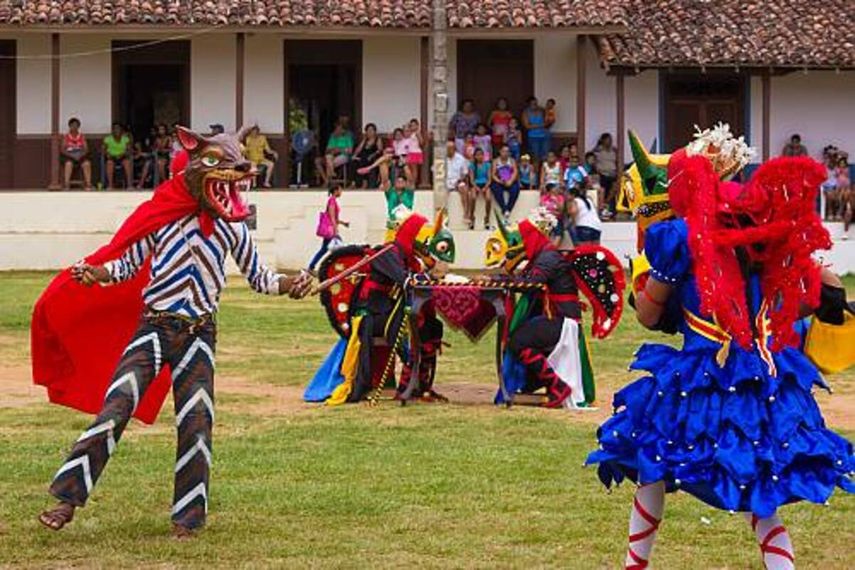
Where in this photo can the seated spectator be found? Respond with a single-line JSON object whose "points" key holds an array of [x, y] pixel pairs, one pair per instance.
{"points": [[463, 123], [479, 184], [550, 172], [576, 178], [844, 191], [569, 157], [513, 138], [456, 175], [505, 180], [606, 164], [399, 195], [162, 149], [829, 187], [389, 166], [550, 117], [75, 152], [536, 133], [414, 141], [369, 149], [554, 202], [499, 121], [469, 147], [117, 148], [258, 152], [528, 176], [338, 151], [484, 141], [142, 161], [586, 225], [794, 147]]}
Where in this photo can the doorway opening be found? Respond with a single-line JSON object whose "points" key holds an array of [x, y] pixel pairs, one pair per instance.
{"points": [[8, 127], [323, 81], [489, 69], [152, 85], [702, 99]]}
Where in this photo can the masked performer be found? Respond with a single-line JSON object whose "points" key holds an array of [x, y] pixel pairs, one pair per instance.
{"points": [[730, 417], [367, 308], [546, 348], [113, 349]]}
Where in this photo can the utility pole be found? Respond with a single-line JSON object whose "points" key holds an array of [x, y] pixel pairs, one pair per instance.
{"points": [[439, 90]]}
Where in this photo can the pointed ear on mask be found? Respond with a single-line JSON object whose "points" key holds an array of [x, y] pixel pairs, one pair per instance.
{"points": [[191, 141]]}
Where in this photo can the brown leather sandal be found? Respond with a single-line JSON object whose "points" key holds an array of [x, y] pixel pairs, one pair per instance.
{"points": [[57, 517], [182, 532]]}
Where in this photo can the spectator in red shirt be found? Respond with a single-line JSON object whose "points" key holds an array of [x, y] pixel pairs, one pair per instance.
{"points": [[75, 152]]}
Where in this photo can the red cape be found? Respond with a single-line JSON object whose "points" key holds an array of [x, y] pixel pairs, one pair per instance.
{"points": [[79, 333]]}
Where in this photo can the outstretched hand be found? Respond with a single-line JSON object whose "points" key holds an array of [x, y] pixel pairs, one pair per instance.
{"points": [[296, 286], [88, 275]]}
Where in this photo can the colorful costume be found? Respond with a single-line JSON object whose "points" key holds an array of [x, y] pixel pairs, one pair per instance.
{"points": [[546, 347], [729, 417], [368, 311], [114, 350]]}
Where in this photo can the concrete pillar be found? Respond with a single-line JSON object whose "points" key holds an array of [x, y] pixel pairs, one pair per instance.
{"points": [[439, 90]]}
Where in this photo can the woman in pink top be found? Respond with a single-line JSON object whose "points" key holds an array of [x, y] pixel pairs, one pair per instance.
{"points": [[328, 224], [415, 156]]}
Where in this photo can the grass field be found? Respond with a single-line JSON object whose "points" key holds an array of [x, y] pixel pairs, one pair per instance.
{"points": [[463, 485]]}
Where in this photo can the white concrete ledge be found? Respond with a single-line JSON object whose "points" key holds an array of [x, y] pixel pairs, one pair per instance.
{"points": [[50, 230]]}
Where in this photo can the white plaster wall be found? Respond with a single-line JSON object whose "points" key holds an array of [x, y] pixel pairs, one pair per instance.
{"points": [[85, 81], [264, 84], [212, 81], [641, 108], [819, 105], [600, 99], [33, 83], [391, 82], [555, 76]]}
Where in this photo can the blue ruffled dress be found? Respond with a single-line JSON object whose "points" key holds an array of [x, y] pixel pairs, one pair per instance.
{"points": [[740, 437]]}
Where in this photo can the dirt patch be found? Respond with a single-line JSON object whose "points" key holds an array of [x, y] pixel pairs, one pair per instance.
{"points": [[17, 388], [268, 399]]}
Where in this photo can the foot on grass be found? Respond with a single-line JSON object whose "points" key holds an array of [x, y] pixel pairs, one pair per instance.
{"points": [[180, 532], [57, 517]]}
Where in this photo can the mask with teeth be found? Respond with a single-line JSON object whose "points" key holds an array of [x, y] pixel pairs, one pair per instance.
{"points": [[217, 174]]}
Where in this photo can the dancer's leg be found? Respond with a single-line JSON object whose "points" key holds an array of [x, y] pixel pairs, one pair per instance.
{"points": [[775, 545], [193, 391], [138, 366], [647, 508]]}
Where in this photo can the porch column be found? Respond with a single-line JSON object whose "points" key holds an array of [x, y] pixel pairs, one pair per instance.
{"points": [[54, 112], [424, 91], [439, 130], [621, 123], [581, 56], [767, 103], [240, 49]]}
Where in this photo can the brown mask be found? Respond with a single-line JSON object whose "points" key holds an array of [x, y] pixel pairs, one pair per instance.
{"points": [[217, 174]]}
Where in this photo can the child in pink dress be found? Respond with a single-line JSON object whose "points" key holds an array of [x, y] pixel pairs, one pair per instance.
{"points": [[484, 141], [413, 141]]}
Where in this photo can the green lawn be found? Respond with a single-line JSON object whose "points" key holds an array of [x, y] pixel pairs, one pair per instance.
{"points": [[297, 486]]}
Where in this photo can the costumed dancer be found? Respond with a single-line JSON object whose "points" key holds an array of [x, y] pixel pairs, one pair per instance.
{"points": [[729, 417], [115, 348], [546, 347], [363, 292]]}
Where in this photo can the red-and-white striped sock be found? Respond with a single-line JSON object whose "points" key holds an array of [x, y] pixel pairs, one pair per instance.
{"points": [[647, 508], [775, 545]]}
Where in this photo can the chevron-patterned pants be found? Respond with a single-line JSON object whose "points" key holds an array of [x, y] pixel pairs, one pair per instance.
{"points": [[189, 352]]}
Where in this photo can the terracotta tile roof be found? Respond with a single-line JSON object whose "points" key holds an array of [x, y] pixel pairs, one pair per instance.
{"points": [[362, 13], [533, 13], [765, 33]]}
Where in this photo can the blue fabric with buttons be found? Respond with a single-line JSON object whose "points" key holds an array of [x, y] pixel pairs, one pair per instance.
{"points": [[735, 436]]}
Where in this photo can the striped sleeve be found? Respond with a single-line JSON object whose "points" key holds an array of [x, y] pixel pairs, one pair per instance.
{"points": [[260, 277], [129, 264]]}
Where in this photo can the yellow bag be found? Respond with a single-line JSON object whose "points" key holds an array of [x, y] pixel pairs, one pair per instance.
{"points": [[831, 347]]}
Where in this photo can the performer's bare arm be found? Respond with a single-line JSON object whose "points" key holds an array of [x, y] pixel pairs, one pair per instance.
{"points": [[650, 303]]}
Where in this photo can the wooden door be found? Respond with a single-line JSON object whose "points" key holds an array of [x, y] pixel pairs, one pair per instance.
{"points": [[489, 69], [703, 100], [7, 113]]}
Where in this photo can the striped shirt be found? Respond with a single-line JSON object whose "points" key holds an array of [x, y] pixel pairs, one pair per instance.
{"points": [[188, 269]]}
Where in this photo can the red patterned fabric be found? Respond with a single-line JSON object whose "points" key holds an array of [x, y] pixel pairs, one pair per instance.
{"points": [[464, 309]]}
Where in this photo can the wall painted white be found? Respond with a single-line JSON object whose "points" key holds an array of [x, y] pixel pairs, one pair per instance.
{"points": [[641, 111], [212, 81], [819, 105], [33, 81], [264, 84], [600, 99], [391, 81], [85, 81], [555, 76]]}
